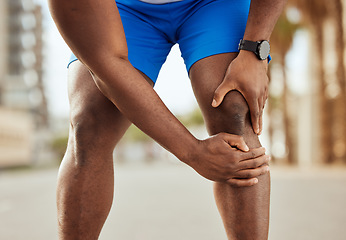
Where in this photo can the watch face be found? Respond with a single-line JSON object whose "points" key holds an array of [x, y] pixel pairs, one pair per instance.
{"points": [[263, 50]]}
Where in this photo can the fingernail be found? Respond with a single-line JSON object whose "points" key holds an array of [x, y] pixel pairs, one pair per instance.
{"points": [[214, 103], [246, 148], [256, 180]]}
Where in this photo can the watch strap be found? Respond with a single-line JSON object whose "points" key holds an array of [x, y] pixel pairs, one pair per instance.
{"points": [[248, 45]]}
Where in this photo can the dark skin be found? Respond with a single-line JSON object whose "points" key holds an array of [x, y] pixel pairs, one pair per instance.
{"points": [[246, 73], [80, 24], [244, 211], [106, 98]]}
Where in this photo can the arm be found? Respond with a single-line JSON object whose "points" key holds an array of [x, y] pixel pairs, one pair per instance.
{"points": [[247, 74], [93, 30]]}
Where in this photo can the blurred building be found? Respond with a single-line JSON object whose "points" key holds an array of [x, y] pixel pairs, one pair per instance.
{"points": [[23, 106]]}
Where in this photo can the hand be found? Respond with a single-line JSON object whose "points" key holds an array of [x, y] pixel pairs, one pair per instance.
{"points": [[248, 75], [226, 158]]}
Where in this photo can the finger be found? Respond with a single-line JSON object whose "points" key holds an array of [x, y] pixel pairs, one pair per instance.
{"points": [[261, 116], [236, 141], [251, 173], [253, 153], [254, 113], [254, 163], [234, 182], [266, 95], [260, 122], [265, 98], [220, 94]]}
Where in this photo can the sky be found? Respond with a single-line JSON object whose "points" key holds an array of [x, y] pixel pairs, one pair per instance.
{"points": [[173, 84]]}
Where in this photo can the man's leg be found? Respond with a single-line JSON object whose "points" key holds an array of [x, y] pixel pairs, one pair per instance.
{"points": [[244, 211], [86, 178]]}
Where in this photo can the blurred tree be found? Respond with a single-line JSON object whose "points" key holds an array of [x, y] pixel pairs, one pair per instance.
{"points": [[314, 14], [336, 9], [281, 41]]}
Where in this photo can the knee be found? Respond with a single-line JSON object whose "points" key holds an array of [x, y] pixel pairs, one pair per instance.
{"points": [[88, 131], [232, 115], [87, 141], [235, 108]]}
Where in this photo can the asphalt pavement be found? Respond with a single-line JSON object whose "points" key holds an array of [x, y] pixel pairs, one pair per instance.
{"points": [[171, 202]]}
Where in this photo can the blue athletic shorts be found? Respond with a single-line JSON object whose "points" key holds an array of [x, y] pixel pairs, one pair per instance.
{"points": [[201, 28]]}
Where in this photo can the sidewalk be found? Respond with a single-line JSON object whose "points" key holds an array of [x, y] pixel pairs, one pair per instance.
{"points": [[171, 202]]}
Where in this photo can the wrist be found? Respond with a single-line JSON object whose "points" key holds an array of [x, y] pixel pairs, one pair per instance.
{"points": [[251, 58], [260, 48], [189, 152]]}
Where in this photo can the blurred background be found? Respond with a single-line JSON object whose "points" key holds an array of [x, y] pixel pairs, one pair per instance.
{"points": [[304, 131]]}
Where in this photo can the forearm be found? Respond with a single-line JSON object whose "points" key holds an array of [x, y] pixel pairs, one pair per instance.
{"points": [[137, 100], [94, 32], [262, 18]]}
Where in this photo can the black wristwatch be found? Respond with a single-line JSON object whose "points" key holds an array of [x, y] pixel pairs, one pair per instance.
{"points": [[260, 48]]}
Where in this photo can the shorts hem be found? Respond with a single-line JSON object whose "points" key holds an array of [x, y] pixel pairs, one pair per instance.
{"points": [[142, 68], [71, 61], [145, 68], [210, 49]]}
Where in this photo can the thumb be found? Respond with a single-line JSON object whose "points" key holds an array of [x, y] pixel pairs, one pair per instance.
{"points": [[236, 141], [220, 93]]}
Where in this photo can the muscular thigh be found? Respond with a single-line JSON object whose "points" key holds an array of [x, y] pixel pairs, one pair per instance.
{"points": [[92, 115]]}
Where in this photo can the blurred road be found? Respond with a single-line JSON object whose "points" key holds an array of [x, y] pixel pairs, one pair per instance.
{"points": [[171, 202]]}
